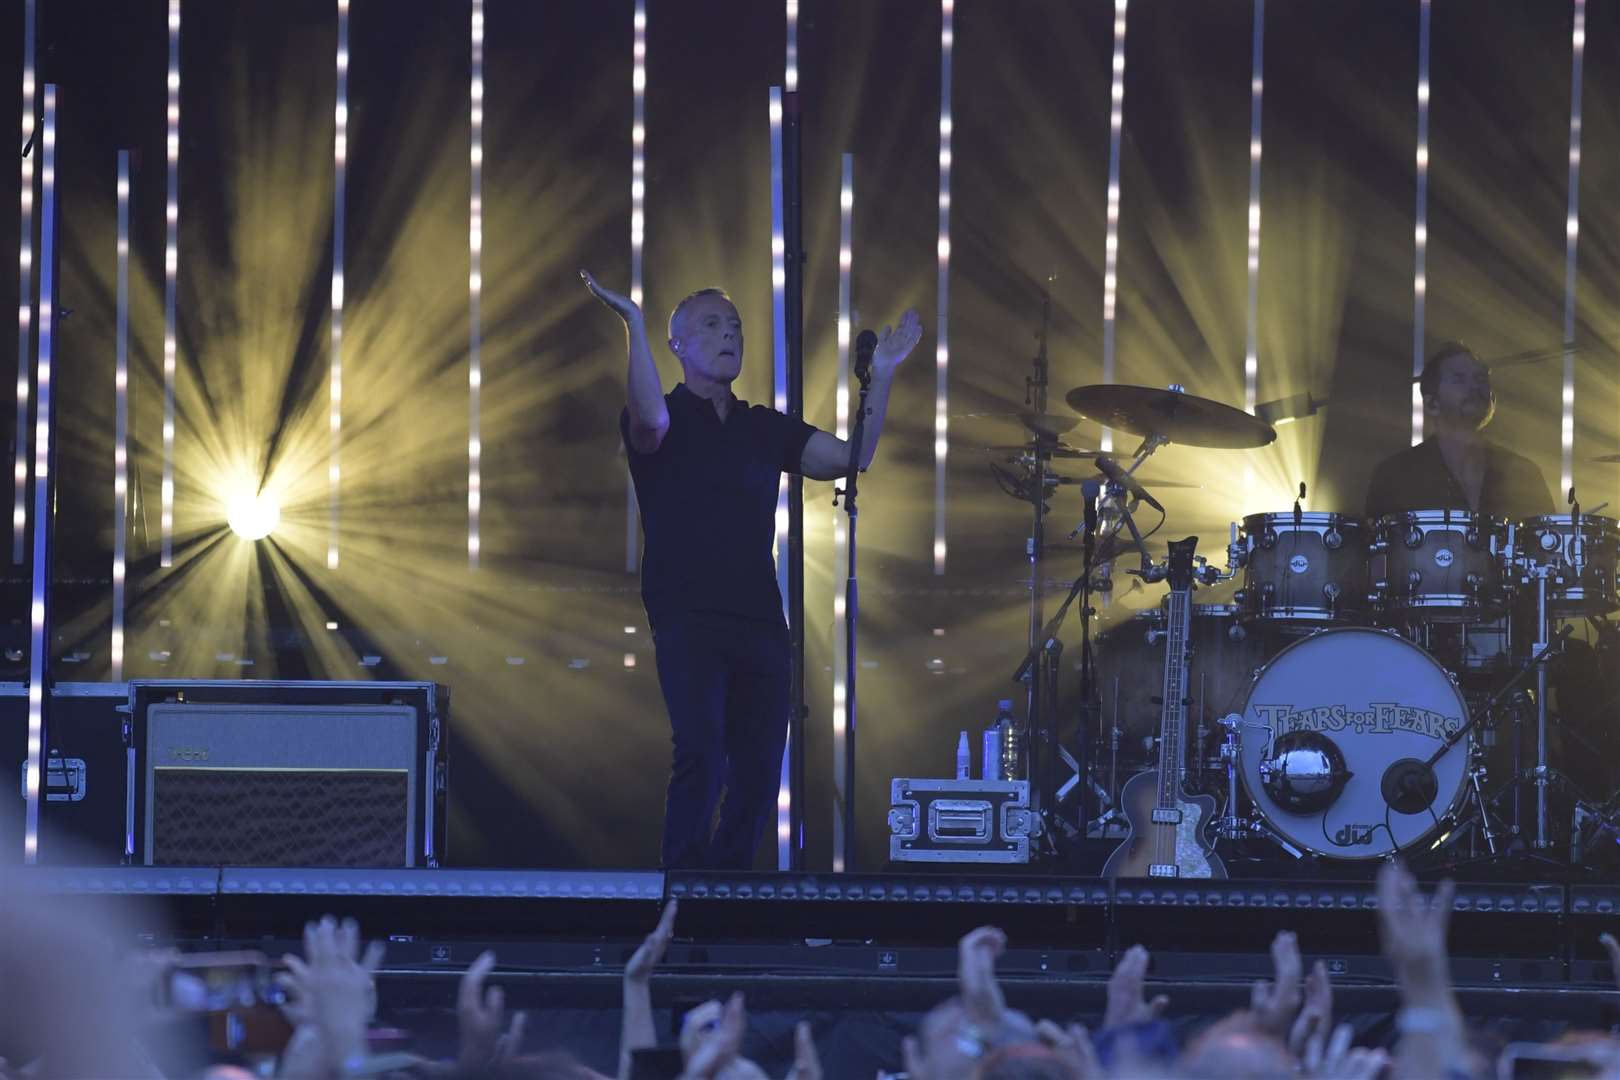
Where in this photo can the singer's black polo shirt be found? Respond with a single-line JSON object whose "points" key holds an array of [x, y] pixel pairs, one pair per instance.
{"points": [[708, 507]]}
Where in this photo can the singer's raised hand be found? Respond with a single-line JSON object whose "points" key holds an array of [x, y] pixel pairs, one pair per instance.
{"points": [[896, 343], [622, 305]]}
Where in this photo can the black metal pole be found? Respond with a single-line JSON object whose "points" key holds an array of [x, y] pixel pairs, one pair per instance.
{"points": [[793, 323], [852, 616]]}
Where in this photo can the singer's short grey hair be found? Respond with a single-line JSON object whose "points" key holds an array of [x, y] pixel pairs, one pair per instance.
{"points": [[675, 316]]}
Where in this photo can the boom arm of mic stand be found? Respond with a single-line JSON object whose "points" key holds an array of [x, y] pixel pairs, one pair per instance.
{"points": [[1496, 699]]}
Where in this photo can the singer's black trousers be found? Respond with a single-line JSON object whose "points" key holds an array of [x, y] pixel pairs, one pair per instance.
{"points": [[726, 684]]}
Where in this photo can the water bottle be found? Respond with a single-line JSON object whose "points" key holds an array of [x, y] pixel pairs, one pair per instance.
{"points": [[964, 758]]}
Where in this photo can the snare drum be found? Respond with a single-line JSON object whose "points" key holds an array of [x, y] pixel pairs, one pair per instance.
{"points": [[1306, 569], [1438, 566], [1580, 562]]}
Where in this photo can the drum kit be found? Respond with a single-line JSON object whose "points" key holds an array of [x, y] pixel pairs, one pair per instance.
{"points": [[1372, 687]]}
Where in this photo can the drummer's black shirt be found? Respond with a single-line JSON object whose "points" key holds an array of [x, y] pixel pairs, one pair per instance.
{"points": [[1418, 479], [708, 506]]}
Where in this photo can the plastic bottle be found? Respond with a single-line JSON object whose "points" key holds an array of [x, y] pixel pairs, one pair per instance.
{"points": [[995, 742], [964, 758]]}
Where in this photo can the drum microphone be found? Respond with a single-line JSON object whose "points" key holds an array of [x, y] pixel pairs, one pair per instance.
{"points": [[1117, 475], [1299, 514], [1409, 786], [865, 345]]}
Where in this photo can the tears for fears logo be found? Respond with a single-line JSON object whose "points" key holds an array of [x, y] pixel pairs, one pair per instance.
{"points": [[1381, 717]]}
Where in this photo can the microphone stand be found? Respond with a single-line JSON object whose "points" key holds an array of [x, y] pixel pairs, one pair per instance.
{"points": [[852, 612]]}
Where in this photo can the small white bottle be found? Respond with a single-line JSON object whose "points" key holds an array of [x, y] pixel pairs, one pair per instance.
{"points": [[964, 758]]}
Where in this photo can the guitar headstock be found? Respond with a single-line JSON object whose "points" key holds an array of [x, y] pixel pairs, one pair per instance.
{"points": [[1180, 562]]}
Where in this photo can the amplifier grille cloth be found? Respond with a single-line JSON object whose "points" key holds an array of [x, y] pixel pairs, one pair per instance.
{"points": [[259, 817]]}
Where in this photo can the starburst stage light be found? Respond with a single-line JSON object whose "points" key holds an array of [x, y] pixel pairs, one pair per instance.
{"points": [[252, 515]]}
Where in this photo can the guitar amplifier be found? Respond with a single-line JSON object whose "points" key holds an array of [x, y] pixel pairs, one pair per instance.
{"points": [[238, 773], [960, 821]]}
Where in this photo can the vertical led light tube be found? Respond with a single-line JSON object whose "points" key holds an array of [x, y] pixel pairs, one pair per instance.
{"points": [[475, 288], [1251, 352], [1572, 233], [1116, 125], [171, 266], [784, 791], [638, 193], [846, 266], [942, 352], [340, 168], [121, 423], [1420, 282], [39, 642], [790, 73], [25, 292]]}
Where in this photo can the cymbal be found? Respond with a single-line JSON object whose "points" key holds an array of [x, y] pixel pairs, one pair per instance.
{"points": [[1044, 425], [1179, 417], [1608, 459]]}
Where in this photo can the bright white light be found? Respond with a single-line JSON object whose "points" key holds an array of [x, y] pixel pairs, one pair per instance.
{"points": [[1111, 243], [171, 270], [1572, 229], [25, 315], [947, 40], [1251, 356], [339, 199], [638, 170], [1421, 231], [252, 516]]}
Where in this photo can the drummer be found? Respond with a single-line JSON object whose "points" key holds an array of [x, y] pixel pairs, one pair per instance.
{"points": [[1455, 467]]}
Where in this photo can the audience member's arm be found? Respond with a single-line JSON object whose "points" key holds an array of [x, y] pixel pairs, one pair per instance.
{"points": [[1431, 1038], [982, 999], [715, 1053], [806, 1062], [486, 1040], [636, 1030], [334, 999], [1612, 947], [1275, 1003], [1127, 1000], [1316, 1017]]}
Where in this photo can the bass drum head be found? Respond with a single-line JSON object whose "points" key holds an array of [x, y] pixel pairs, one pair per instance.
{"points": [[1359, 707]]}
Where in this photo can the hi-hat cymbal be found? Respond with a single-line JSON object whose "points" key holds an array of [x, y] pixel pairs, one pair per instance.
{"points": [[1179, 417], [1044, 425]]}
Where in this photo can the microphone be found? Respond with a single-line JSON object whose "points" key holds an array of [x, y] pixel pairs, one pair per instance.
{"points": [[1117, 475], [1299, 514], [1089, 490], [1409, 786], [865, 346]]}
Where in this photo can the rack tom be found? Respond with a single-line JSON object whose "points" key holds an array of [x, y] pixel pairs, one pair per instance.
{"points": [[1580, 560], [1438, 566], [1304, 570]]}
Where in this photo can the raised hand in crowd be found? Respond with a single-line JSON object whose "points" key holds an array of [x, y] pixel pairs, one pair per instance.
{"points": [[1327, 1056], [332, 999], [636, 1029], [1276, 1003], [1413, 930], [1612, 947], [1127, 997], [715, 1050], [1316, 1015], [487, 1039]]}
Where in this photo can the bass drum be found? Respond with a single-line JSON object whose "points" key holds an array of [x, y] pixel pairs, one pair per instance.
{"points": [[1130, 680], [1335, 733]]}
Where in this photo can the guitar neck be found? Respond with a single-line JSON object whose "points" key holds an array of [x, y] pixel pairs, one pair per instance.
{"points": [[1173, 715]]}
